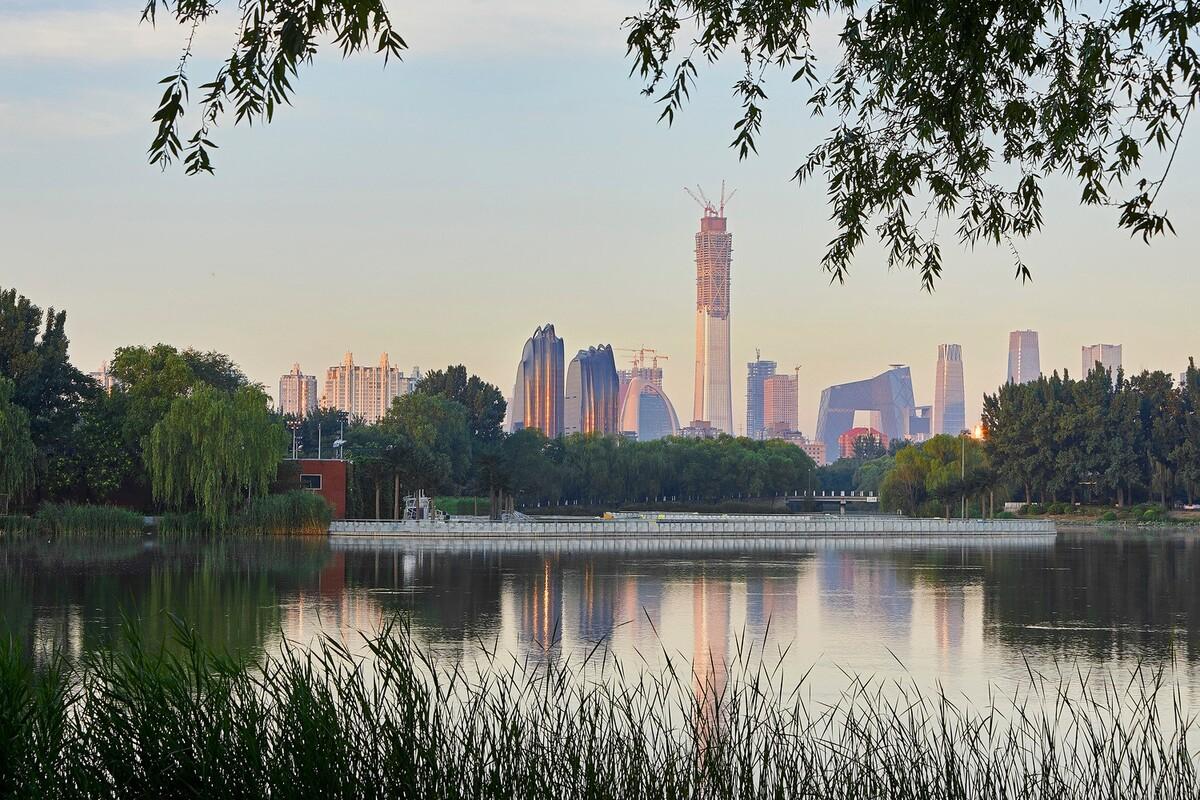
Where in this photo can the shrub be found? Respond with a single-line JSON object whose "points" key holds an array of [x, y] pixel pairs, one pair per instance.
{"points": [[1154, 514], [67, 519], [1005, 515], [1108, 516], [1057, 508], [290, 513]]}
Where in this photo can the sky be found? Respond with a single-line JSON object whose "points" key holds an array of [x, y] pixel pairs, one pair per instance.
{"points": [[506, 174]]}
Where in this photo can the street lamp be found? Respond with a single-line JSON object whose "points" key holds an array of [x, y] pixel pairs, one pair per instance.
{"points": [[294, 424]]}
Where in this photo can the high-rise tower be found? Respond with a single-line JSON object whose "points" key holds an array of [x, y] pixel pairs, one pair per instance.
{"points": [[1024, 363], [538, 389], [949, 398], [1107, 356], [712, 399], [592, 390], [757, 371]]}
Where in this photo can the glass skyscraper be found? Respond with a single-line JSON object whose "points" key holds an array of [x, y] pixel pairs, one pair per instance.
{"points": [[592, 391], [538, 389], [712, 400], [757, 371], [949, 397], [1024, 363]]}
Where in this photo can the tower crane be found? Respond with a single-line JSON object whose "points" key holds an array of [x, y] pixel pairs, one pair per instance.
{"points": [[711, 209]]}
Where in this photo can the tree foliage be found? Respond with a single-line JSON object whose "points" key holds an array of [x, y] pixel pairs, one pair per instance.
{"points": [[949, 113], [213, 448], [17, 451], [1107, 436], [274, 38], [484, 402]]}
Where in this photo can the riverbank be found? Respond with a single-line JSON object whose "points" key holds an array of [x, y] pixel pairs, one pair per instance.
{"points": [[682, 525]]}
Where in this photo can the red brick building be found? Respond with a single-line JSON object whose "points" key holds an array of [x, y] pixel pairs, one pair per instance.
{"points": [[846, 440], [326, 477]]}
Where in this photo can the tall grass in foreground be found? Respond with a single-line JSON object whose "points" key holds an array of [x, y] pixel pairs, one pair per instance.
{"points": [[326, 723], [297, 512]]}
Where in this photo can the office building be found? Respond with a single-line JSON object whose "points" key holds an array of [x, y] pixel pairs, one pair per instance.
{"points": [[645, 365], [920, 424], [1108, 356], [780, 404], [757, 371], [363, 392], [949, 397], [887, 398], [538, 389], [104, 378], [297, 393], [814, 449], [591, 392], [1024, 363], [848, 439], [712, 399], [647, 413]]}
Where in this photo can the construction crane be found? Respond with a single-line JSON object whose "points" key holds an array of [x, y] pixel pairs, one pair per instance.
{"points": [[711, 209], [639, 356]]}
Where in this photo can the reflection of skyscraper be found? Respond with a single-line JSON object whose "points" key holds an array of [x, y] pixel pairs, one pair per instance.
{"points": [[539, 606], [712, 400], [597, 604], [538, 390], [949, 398], [591, 392], [710, 642], [1024, 362], [757, 371]]}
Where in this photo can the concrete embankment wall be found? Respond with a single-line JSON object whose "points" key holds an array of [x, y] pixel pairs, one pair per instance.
{"points": [[730, 527]]}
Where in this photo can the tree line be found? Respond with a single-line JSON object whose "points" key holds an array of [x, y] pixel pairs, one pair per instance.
{"points": [[1107, 438]]}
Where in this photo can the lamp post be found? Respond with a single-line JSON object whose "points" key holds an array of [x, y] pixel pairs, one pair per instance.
{"points": [[294, 424]]}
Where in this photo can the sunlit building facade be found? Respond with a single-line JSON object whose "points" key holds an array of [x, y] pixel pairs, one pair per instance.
{"points": [[949, 397], [887, 399], [713, 393], [1024, 361], [780, 404], [365, 392], [646, 412], [297, 393], [1108, 356], [757, 371], [591, 392], [104, 378], [849, 438], [538, 388]]}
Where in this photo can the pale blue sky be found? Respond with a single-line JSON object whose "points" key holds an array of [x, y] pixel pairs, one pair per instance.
{"points": [[506, 174]]}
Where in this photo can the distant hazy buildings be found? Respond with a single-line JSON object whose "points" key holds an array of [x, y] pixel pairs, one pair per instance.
{"points": [[297, 393], [713, 394], [1024, 363], [848, 439], [814, 449], [780, 404], [1107, 356], [757, 371], [646, 412], [949, 397], [104, 377], [888, 397], [645, 365], [591, 392], [362, 391], [538, 389]]}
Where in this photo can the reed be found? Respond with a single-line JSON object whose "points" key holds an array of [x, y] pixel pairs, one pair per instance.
{"points": [[325, 722], [68, 519], [299, 512], [16, 525]]}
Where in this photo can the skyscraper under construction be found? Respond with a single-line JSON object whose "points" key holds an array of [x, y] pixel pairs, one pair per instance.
{"points": [[712, 400]]}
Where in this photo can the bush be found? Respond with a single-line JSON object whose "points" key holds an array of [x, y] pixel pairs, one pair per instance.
{"points": [[1108, 516], [1005, 515], [67, 519], [1154, 514], [462, 506], [1057, 508], [291, 513]]}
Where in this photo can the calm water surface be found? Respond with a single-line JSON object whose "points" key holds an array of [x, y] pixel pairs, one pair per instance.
{"points": [[970, 614]]}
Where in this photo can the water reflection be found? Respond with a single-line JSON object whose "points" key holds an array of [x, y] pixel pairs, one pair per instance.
{"points": [[961, 611]]}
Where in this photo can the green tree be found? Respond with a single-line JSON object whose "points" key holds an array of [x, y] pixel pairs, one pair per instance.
{"points": [[440, 434], [33, 355], [96, 464], [213, 449], [17, 450], [485, 403]]}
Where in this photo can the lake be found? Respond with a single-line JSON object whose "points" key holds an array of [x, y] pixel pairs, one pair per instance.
{"points": [[970, 614]]}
